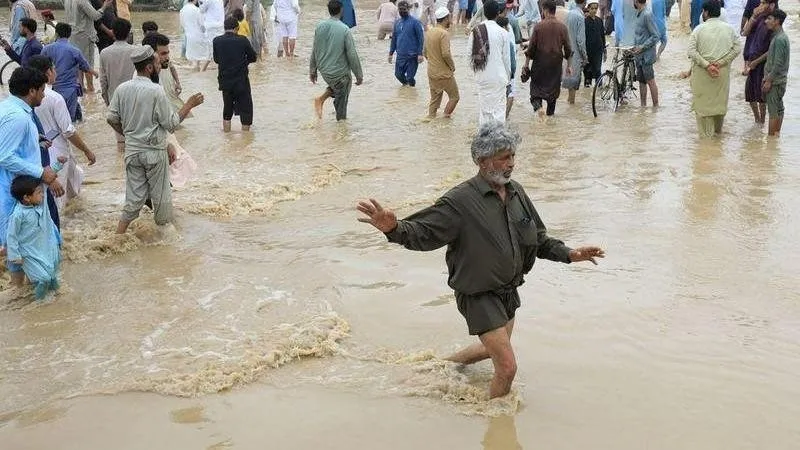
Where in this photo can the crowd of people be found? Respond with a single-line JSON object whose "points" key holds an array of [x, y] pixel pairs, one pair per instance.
{"points": [[564, 49]]}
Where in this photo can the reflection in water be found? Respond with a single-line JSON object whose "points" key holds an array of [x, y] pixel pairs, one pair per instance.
{"points": [[705, 190], [501, 434]]}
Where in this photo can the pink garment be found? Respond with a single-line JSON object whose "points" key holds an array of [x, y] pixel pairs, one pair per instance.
{"points": [[387, 13], [182, 169]]}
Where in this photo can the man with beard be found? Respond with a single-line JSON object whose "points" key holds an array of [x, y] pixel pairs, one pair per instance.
{"points": [[140, 111], [547, 49], [233, 53], [19, 150], [168, 79], [441, 66], [407, 40], [32, 46], [493, 236]]}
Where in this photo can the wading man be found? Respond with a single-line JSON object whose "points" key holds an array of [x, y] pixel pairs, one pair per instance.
{"points": [[140, 111], [713, 45], [493, 236], [334, 55]]}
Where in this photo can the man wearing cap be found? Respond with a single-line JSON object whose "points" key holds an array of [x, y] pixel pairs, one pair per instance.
{"points": [[490, 57], [441, 65], [407, 40], [595, 44], [141, 112]]}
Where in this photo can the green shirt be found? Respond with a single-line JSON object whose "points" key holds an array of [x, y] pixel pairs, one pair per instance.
{"points": [[777, 65], [490, 245], [334, 52]]}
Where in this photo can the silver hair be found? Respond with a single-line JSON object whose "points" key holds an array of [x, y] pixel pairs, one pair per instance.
{"points": [[492, 138]]}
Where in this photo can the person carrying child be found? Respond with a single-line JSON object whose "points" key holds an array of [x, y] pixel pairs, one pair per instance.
{"points": [[32, 238]]}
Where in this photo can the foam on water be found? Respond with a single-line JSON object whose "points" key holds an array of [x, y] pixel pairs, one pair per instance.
{"points": [[317, 337], [229, 199]]}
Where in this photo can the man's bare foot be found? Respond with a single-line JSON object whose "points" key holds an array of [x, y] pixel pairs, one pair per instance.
{"points": [[318, 106], [541, 114], [226, 126], [245, 127]]}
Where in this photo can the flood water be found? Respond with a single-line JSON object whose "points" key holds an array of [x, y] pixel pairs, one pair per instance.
{"points": [[270, 318]]}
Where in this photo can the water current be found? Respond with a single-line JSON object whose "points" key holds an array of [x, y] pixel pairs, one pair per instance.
{"points": [[269, 318]]}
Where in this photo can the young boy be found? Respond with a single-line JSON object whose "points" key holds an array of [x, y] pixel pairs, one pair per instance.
{"points": [[33, 240], [149, 27], [244, 26]]}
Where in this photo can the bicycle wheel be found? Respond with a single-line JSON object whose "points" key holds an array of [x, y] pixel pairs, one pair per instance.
{"points": [[605, 94], [12, 65]]}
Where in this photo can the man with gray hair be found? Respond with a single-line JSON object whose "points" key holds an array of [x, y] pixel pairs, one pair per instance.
{"points": [[493, 236]]}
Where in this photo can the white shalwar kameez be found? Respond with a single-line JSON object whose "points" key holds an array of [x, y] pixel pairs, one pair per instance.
{"points": [[197, 48], [494, 78], [213, 19]]}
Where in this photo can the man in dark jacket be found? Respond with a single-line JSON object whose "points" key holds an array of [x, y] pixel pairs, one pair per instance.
{"points": [[233, 53]]}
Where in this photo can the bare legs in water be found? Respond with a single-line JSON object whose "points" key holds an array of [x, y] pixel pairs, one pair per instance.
{"points": [[495, 344]]}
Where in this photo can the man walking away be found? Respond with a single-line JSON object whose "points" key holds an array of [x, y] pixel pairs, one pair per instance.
{"points": [[69, 63], [407, 40], [548, 47], [491, 63], [82, 15], [441, 66], [140, 111], [116, 66], [287, 13], [387, 15], [334, 56], [197, 49], [775, 71], [233, 53], [644, 40], [713, 45], [493, 236], [576, 27]]}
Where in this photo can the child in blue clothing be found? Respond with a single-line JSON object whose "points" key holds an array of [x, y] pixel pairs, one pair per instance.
{"points": [[33, 240]]}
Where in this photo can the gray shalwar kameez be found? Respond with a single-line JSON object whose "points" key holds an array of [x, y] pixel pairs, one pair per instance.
{"points": [[146, 116]]}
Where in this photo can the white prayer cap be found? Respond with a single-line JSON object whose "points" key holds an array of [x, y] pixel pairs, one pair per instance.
{"points": [[141, 53], [442, 12], [592, 2]]}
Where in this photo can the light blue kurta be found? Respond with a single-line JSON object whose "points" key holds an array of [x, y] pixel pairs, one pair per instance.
{"points": [[33, 238], [19, 153]]}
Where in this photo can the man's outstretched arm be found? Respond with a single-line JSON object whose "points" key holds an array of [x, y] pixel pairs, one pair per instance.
{"points": [[428, 229]]}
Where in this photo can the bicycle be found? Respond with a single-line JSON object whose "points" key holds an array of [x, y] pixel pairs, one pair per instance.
{"points": [[11, 65], [617, 84]]}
